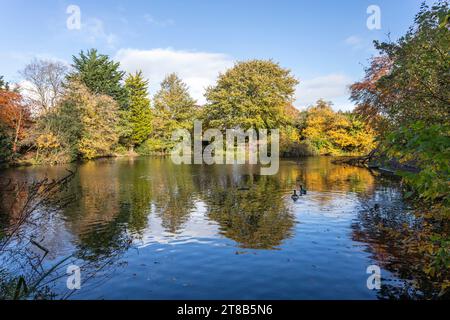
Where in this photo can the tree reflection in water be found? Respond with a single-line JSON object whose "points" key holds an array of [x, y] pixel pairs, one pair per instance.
{"points": [[256, 218], [121, 204], [400, 240], [30, 268]]}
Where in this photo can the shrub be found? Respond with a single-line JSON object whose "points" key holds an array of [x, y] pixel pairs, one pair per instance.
{"points": [[428, 147], [152, 146]]}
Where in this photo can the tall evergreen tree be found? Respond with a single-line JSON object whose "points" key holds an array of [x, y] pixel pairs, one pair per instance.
{"points": [[139, 112], [100, 75]]}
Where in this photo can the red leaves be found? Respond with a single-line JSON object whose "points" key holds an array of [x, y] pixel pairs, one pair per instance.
{"points": [[14, 115]]}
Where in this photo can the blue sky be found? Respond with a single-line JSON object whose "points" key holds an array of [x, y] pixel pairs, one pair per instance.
{"points": [[325, 43]]}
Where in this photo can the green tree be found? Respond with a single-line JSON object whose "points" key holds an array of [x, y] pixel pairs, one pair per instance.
{"points": [[140, 114], [174, 109], [100, 75], [409, 86], [410, 81], [251, 94], [173, 102], [427, 146]]}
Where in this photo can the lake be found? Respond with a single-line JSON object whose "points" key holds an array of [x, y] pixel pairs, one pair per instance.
{"points": [[154, 230]]}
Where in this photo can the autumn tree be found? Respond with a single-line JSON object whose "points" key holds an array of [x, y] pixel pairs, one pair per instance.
{"points": [[410, 81], [45, 83], [174, 103], [14, 116], [419, 77], [84, 125], [409, 87], [336, 133], [290, 138], [369, 96], [100, 75], [252, 94], [139, 112]]}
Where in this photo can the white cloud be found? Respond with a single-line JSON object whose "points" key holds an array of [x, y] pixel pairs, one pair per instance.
{"points": [[353, 41], [332, 87], [357, 43], [197, 69], [160, 23], [28, 91]]}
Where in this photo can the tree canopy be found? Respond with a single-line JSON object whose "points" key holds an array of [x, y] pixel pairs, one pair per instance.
{"points": [[336, 132], [140, 114], [410, 81], [252, 94], [100, 75], [46, 79], [85, 125], [173, 102], [174, 108]]}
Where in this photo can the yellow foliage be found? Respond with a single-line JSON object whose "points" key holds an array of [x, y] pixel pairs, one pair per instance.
{"points": [[47, 141], [336, 133]]}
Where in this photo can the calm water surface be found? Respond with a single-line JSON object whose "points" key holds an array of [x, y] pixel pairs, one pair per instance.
{"points": [[164, 231]]}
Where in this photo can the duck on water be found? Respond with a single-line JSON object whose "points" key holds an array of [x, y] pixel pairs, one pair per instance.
{"points": [[296, 196]]}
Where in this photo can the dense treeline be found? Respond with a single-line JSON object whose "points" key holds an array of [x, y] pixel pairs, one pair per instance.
{"points": [[95, 110]]}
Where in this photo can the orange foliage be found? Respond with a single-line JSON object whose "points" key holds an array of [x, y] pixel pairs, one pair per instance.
{"points": [[14, 115], [367, 94]]}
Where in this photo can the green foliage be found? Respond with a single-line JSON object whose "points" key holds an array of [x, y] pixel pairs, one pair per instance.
{"points": [[417, 87], [174, 109], [152, 146], [140, 115], [252, 94], [427, 147], [5, 145], [100, 75], [407, 90], [173, 102], [307, 149]]}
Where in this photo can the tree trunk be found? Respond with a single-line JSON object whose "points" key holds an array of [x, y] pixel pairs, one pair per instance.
{"points": [[16, 138]]}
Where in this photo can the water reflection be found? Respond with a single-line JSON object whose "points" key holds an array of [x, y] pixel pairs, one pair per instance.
{"points": [[148, 202], [255, 216], [399, 240], [35, 247]]}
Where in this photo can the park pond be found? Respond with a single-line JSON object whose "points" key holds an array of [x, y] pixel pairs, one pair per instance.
{"points": [[145, 228]]}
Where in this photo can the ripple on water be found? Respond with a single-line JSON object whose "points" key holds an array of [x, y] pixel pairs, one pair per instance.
{"points": [[196, 234]]}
